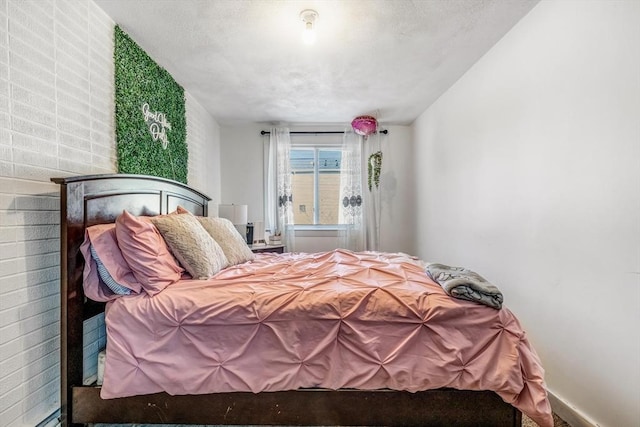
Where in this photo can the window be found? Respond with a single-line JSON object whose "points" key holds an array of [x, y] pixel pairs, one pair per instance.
{"points": [[316, 184]]}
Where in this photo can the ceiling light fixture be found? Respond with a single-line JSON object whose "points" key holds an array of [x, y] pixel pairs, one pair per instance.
{"points": [[309, 17]]}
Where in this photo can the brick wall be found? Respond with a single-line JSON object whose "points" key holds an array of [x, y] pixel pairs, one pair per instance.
{"points": [[56, 119]]}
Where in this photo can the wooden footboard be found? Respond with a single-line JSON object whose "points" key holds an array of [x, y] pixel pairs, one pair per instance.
{"points": [[301, 408]]}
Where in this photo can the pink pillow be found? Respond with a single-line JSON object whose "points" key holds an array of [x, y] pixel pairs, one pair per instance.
{"points": [[104, 242], [146, 252], [94, 288]]}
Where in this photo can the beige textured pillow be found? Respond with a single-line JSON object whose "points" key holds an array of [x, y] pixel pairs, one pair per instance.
{"points": [[234, 246], [190, 243]]}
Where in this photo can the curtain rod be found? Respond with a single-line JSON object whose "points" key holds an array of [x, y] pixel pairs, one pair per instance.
{"points": [[266, 132]]}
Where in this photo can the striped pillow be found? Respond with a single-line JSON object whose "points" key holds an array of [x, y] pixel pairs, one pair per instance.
{"points": [[104, 274]]}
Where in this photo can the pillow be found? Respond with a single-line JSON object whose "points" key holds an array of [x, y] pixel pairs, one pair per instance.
{"points": [[146, 252], [232, 243], [94, 288], [181, 210], [106, 277], [111, 265], [196, 250]]}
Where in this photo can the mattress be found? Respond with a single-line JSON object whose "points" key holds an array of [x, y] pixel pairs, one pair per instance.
{"points": [[330, 320]]}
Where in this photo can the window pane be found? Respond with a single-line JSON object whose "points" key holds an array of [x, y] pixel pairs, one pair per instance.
{"points": [[302, 167], [329, 186], [315, 202]]}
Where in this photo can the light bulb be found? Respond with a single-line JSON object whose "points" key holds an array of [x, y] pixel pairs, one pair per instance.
{"points": [[309, 16], [309, 34]]}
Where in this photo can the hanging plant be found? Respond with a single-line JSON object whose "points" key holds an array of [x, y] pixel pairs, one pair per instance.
{"points": [[374, 166]]}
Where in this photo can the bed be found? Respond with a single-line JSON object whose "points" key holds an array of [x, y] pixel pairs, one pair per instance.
{"points": [[239, 399]]}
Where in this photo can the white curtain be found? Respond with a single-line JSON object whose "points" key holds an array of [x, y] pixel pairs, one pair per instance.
{"points": [[279, 200], [352, 234], [373, 202]]}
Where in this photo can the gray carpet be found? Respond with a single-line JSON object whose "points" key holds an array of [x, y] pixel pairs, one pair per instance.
{"points": [[557, 422]]}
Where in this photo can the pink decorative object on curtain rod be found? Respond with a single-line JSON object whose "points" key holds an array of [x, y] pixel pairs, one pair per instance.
{"points": [[364, 125]]}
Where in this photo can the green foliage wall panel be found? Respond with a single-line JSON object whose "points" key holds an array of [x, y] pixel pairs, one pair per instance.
{"points": [[150, 115]]}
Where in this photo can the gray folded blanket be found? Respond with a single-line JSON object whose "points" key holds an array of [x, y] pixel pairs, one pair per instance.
{"points": [[465, 284]]}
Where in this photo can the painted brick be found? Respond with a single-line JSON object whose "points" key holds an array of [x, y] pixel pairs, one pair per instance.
{"points": [[29, 187], [37, 202], [31, 128], [70, 73], [76, 156], [8, 400], [9, 267], [35, 247], [8, 234], [31, 324], [73, 102], [10, 416], [71, 43], [25, 80], [45, 372], [33, 173], [33, 99], [76, 116], [48, 395], [27, 59], [26, 295], [28, 217], [34, 115], [5, 119], [73, 128], [76, 168], [5, 153], [23, 34], [7, 168], [17, 362], [5, 137], [33, 158], [102, 145], [37, 145], [10, 382], [7, 251]]}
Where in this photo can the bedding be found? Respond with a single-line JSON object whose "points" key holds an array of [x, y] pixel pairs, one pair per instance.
{"points": [[233, 244], [108, 259], [191, 244], [329, 320], [460, 282], [225, 233], [146, 253]]}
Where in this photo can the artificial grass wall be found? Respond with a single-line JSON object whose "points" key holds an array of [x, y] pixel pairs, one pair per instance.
{"points": [[151, 132]]}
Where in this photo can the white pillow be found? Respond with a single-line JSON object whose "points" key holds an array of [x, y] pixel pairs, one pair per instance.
{"points": [[232, 243], [190, 243]]}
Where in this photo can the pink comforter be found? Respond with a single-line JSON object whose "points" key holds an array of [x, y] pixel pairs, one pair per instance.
{"points": [[330, 320]]}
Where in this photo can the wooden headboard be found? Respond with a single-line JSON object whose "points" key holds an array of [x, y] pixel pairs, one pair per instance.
{"points": [[99, 199]]}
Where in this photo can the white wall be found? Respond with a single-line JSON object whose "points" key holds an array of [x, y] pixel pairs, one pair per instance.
{"points": [[528, 171], [203, 140], [242, 183], [56, 119]]}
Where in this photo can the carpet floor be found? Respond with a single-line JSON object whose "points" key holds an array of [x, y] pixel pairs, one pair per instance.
{"points": [[557, 422]]}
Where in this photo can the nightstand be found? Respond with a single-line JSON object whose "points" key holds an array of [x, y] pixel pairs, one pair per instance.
{"points": [[256, 249]]}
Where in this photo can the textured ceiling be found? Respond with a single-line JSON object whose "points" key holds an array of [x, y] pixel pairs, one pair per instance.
{"points": [[244, 60]]}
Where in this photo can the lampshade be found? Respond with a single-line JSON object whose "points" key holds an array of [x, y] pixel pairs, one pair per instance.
{"points": [[237, 214]]}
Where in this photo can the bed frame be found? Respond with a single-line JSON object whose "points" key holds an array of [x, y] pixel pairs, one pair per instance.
{"points": [[98, 199]]}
